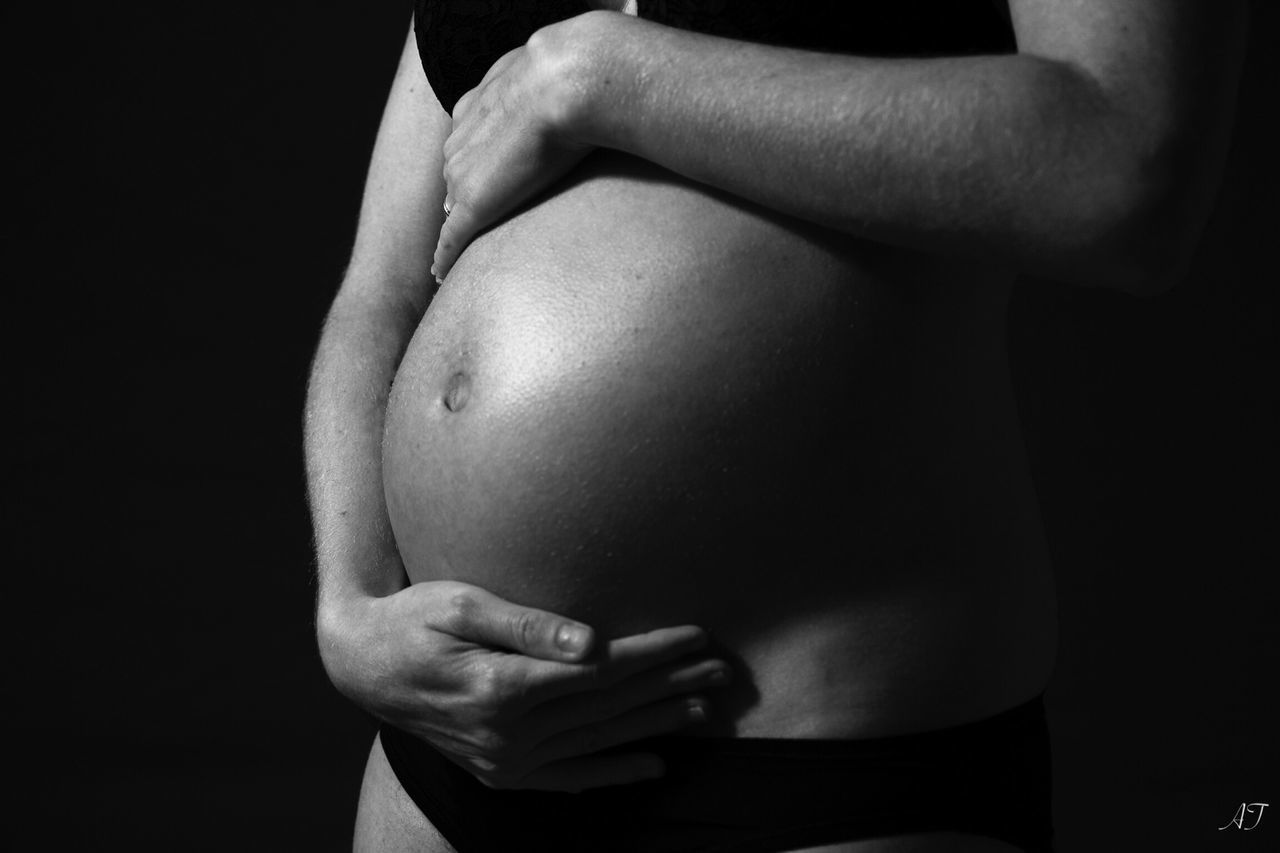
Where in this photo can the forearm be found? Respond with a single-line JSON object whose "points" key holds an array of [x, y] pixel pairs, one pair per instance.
{"points": [[360, 348], [1014, 159], [383, 295], [951, 155]]}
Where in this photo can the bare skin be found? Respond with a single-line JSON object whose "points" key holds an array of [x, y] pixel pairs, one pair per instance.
{"points": [[821, 654], [918, 197], [444, 660]]}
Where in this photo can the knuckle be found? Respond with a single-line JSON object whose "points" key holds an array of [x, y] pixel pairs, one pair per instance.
{"points": [[490, 774], [454, 168], [498, 775], [536, 42], [488, 687], [450, 172], [462, 185], [460, 611], [459, 190], [483, 766], [542, 40], [492, 746], [527, 629]]}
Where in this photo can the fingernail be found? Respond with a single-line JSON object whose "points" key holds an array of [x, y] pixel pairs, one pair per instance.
{"points": [[571, 638], [697, 710], [720, 676]]}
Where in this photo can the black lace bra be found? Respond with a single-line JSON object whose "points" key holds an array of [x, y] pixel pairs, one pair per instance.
{"points": [[459, 39]]}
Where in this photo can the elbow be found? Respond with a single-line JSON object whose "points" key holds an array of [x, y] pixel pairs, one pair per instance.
{"points": [[1149, 238], [1115, 225], [1145, 213], [1132, 189]]}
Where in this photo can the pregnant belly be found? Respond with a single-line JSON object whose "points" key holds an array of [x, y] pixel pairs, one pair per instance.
{"points": [[639, 403]]}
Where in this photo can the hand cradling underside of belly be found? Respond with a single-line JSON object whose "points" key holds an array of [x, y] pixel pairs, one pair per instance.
{"points": [[639, 397]]}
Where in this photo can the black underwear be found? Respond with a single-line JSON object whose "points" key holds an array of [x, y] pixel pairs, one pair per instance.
{"points": [[752, 795], [458, 40]]}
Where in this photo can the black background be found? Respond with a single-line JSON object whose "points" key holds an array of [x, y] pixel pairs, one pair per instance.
{"points": [[187, 181]]}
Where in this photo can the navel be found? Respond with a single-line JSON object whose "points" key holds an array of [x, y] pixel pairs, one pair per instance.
{"points": [[457, 391]]}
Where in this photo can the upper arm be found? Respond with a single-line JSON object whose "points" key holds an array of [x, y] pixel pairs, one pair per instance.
{"points": [[1161, 63], [402, 209], [1164, 74]]}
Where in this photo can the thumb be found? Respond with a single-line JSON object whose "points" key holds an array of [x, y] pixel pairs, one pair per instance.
{"points": [[483, 617]]}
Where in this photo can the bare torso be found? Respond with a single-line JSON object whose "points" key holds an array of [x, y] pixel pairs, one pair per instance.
{"points": [[642, 403]]}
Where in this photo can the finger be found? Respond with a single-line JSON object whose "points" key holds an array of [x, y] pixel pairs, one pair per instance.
{"points": [[581, 774], [617, 661], [641, 690], [467, 101], [458, 229], [658, 719], [463, 103], [481, 617]]}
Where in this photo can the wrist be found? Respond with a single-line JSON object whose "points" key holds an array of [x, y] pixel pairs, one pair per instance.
{"points": [[341, 629], [596, 79]]}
